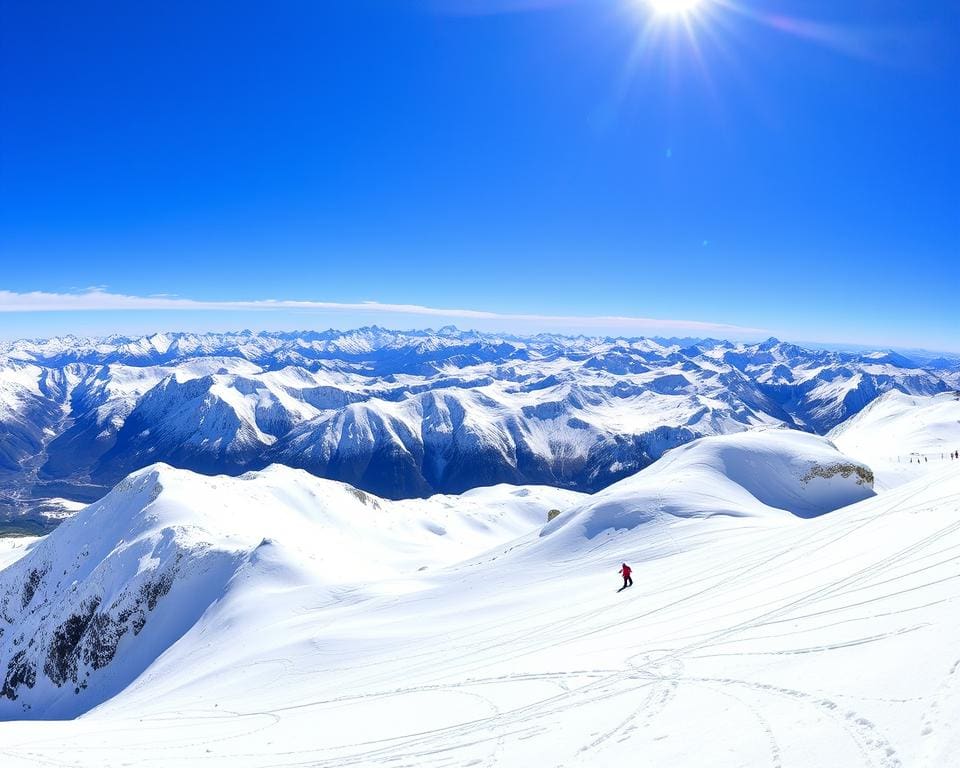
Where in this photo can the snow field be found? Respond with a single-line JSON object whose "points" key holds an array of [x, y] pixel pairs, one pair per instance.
{"points": [[763, 629]]}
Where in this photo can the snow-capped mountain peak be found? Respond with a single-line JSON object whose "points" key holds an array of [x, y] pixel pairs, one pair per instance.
{"points": [[406, 414]]}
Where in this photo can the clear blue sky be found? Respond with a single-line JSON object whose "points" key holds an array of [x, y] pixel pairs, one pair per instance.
{"points": [[788, 167]]}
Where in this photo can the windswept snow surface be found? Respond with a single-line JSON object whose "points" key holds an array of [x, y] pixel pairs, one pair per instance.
{"points": [[12, 548], [903, 437], [299, 629], [93, 605], [755, 474]]}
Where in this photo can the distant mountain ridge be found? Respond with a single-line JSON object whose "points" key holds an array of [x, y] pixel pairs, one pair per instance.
{"points": [[407, 414]]}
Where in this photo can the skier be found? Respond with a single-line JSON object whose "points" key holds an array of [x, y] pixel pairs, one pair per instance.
{"points": [[625, 571]]}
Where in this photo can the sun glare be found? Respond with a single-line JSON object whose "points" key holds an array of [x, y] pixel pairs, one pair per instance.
{"points": [[674, 7]]}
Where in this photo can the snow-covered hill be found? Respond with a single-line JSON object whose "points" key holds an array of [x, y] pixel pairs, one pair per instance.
{"points": [[756, 474], [93, 605], [903, 436], [292, 623], [406, 414]]}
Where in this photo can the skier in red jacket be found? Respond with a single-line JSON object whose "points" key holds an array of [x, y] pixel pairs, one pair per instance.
{"points": [[625, 571]]}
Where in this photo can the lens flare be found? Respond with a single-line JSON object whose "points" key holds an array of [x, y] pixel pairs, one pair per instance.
{"points": [[674, 7]]}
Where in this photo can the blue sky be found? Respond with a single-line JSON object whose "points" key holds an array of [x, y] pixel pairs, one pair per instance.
{"points": [[759, 168]]}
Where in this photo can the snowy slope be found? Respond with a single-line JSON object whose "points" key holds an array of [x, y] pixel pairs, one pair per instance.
{"points": [[12, 548], [756, 636], [93, 605], [768, 475], [903, 437]]}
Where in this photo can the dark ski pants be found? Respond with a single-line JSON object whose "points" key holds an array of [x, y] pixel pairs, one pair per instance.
{"points": [[627, 582]]}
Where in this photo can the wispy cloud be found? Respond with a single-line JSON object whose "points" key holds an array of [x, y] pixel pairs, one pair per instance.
{"points": [[98, 300]]}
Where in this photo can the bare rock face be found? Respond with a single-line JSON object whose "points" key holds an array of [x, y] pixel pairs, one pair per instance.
{"points": [[863, 473], [82, 639], [21, 671]]}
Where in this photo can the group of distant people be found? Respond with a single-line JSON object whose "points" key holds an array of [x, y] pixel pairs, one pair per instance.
{"points": [[926, 459]]}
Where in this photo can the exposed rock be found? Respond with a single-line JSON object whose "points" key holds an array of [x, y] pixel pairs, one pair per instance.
{"points": [[20, 671], [63, 654], [34, 578], [864, 474]]}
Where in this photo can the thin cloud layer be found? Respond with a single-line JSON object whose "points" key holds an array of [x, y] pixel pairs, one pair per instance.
{"points": [[98, 300]]}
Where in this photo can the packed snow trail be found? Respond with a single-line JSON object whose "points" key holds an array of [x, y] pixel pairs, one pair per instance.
{"points": [[760, 640]]}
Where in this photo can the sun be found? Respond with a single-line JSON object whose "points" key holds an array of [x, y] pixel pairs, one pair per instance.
{"points": [[674, 7]]}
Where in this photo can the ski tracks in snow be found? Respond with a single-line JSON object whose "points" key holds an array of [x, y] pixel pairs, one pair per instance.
{"points": [[660, 675]]}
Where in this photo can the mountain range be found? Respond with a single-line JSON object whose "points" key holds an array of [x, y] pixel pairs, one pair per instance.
{"points": [[405, 414]]}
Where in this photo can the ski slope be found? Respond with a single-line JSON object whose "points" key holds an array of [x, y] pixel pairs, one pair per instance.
{"points": [[763, 629], [903, 437]]}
